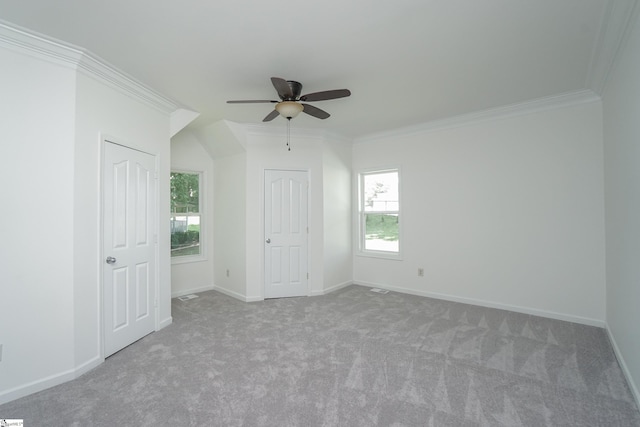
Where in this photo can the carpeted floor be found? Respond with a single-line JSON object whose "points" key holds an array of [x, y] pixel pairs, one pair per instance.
{"points": [[351, 358]]}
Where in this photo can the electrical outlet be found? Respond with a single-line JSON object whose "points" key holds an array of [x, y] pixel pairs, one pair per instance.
{"points": [[421, 272]]}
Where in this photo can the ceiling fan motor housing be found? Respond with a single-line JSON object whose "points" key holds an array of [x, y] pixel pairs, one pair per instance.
{"points": [[296, 90]]}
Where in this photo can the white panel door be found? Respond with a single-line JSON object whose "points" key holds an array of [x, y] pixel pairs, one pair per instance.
{"points": [[286, 233], [129, 191]]}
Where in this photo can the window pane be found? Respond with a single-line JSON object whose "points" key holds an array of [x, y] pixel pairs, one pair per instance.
{"points": [[381, 232], [185, 235], [185, 219], [185, 192], [380, 191]]}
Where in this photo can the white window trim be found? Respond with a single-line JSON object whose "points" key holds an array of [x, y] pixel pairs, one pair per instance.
{"points": [[203, 229], [359, 220]]}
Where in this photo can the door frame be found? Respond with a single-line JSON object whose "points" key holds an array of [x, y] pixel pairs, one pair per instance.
{"points": [[104, 140], [262, 227]]}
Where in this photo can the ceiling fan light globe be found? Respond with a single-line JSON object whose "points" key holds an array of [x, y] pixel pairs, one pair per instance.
{"points": [[289, 109]]}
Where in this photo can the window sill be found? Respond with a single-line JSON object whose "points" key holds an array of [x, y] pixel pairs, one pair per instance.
{"points": [[393, 256], [188, 259]]}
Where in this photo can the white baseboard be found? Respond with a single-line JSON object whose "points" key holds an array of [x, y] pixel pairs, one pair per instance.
{"points": [[338, 287], [490, 304], [222, 290], [180, 293], [88, 365], [243, 298], [331, 289], [236, 295], [164, 323], [623, 366], [48, 382]]}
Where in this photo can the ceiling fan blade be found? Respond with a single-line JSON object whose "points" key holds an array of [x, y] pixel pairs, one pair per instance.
{"points": [[315, 111], [326, 95], [272, 115], [250, 101], [282, 87]]}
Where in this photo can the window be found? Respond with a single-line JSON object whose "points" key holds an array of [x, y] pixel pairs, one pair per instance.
{"points": [[185, 214], [379, 199]]}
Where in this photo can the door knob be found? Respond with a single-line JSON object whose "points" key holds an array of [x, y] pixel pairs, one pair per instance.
{"points": [[111, 260], [268, 240]]}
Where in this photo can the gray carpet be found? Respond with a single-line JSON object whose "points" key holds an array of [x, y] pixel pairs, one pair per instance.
{"points": [[351, 358]]}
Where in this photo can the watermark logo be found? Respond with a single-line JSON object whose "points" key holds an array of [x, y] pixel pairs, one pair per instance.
{"points": [[11, 423]]}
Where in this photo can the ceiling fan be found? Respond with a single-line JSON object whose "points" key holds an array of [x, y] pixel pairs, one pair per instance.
{"points": [[291, 103]]}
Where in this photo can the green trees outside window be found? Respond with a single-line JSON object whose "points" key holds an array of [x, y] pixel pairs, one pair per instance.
{"points": [[185, 214]]}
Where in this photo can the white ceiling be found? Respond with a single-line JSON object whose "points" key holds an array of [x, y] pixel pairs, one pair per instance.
{"points": [[406, 62]]}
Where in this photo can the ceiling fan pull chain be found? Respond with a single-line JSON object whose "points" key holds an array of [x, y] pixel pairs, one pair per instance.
{"points": [[288, 133]]}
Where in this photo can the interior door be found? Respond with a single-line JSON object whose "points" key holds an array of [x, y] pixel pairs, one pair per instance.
{"points": [[286, 233], [129, 191]]}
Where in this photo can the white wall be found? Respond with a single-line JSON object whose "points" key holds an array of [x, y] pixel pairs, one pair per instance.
{"points": [[37, 254], [268, 151], [105, 112], [102, 112], [187, 154], [338, 269], [506, 212], [230, 221], [328, 160], [622, 193], [56, 113]]}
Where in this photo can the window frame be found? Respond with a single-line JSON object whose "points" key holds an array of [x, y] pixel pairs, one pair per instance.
{"points": [[183, 259], [361, 215]]}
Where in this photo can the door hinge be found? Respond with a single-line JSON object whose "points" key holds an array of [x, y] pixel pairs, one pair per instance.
{"points": [[307, 276]]}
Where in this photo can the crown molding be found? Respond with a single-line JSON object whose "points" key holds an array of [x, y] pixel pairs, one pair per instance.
{"points": [[536, 105], [617, 22], [66, 55], [94, 67]]}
